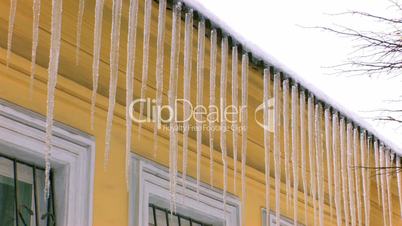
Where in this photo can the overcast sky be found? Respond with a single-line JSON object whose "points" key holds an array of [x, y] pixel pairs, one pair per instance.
{"points": [[275, 26]]}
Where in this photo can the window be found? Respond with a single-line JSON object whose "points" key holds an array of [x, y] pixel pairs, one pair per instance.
{"points": [[284, 221], [160, 216], [22, 183], [150, 189], [22, 135]]}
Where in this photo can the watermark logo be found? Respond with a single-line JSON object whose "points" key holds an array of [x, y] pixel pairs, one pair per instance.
{"points": [[200, 114], [260, 111]]}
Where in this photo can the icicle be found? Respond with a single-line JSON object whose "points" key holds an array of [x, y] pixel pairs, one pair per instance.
{"points": [[335, 154], [200, 96], [159, 68], [399, 181], [303, 149], [383, 188], [223, 128], [344, 171], [212, 87], [363, 154], [310, 132], [377, 175], [277, 146], [319, 164], [35, 37], [57, 8], [266, 144], [286, 142], [244, 121], [351, 181], [11, 21], [235, 105], [388, 183], [357, 177], [131, 47], [172, 94], [114, 73], [295, 149], [327, 116], [96, 58], [368, 180], [187, 81], [79, 27], [145, 56]]}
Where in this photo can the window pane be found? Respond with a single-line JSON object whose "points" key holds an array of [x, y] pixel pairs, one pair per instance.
{"points": [[7, 193], [173, 220], [151, 217], [160, 218], [46, 212], [25, 195], [184, 222]]}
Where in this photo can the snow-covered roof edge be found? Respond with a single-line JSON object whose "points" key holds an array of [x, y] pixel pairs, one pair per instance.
{"points": [[318, 93]]}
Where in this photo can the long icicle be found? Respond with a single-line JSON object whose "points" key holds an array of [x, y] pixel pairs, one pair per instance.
{"points": [[11, 22], [55, 41], [244, 121], [344, 171], [114, 73], [200, 96], [319, 163], [96, 56], [388, 176], [357, 176], [286, 142], [131, 47], [277, 146], [310, 133], [145, 56], [399, 181], [188, 30], [368, 185], [328, 143], [80, 16], [223, 84], [172, 93], [159, 69], [35, 38], [295, 149], [363, 154], [235, 104], [212, 87], [267, 84], [303, 144], [377, 175], [383, 186], [350, 172], [335, 154]]}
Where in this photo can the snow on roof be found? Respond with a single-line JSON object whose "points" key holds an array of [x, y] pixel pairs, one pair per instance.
{"points": [[302, 80]]}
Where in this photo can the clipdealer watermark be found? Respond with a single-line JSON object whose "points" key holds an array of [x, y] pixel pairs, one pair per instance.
{"points": [[209, 117]]}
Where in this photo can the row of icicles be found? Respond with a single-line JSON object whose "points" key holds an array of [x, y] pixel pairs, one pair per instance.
{"points": [[347, 149]]}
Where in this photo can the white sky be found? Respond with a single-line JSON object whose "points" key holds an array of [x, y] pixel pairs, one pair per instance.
{"points": [[272, 25]]}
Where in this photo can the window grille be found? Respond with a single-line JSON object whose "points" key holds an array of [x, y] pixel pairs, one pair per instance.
{"points": [[22, 201], [163, 217]]}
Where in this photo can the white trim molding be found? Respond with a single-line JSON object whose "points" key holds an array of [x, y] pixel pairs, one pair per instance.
{"points": [[150, 184], [22, 134]]}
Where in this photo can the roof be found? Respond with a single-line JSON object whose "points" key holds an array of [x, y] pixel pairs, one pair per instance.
{"points": [[303, 80]]}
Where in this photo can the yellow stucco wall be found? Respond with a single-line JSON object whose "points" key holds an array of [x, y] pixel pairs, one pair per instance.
{"points": [[72, 108]]}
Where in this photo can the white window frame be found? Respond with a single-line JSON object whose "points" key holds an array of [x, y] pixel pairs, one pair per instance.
{"points": [[284, 221], [22, 135], [150, 184]]}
